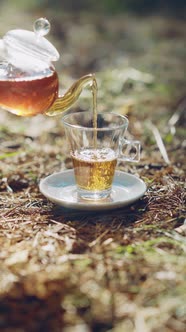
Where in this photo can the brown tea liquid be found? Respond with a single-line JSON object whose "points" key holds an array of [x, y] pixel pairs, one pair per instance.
{"points": [[27, 97], [94, 168]]}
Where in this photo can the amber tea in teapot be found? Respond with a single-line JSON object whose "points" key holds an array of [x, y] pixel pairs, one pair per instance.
{"points": [[28, 80], [26, 96]]}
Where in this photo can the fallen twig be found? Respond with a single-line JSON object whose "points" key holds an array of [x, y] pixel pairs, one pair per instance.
{"points": [[159, 142]]}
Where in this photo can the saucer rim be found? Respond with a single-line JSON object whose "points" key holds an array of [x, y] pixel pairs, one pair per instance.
{"points": [[89, 205]]}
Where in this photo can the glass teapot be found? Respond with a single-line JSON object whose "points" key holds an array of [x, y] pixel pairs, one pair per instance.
{"points": [[28, 81]]}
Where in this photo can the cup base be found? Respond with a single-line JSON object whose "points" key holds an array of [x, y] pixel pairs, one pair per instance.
{"points": [[93, 195]]}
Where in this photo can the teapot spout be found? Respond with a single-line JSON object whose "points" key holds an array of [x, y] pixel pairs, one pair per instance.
{"points": [[63, 103]]}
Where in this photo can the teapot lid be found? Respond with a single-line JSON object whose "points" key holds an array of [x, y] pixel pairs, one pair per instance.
{"points": [[31, 44]]}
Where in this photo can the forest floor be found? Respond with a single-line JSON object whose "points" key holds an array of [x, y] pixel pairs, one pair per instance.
{"points": [[121, 270]]}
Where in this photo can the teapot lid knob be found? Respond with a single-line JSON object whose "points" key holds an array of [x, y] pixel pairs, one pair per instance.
{"points": [[41, 27], [30, 44]]}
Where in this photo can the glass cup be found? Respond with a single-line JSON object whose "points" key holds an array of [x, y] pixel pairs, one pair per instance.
{"points": [[95, 150]]}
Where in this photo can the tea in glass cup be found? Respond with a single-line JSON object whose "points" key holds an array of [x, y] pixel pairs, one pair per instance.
{"points": [[95, 150], [94, 168]]}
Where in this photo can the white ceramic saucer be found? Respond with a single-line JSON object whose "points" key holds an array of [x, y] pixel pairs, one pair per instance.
{"points": [[60, 189]]}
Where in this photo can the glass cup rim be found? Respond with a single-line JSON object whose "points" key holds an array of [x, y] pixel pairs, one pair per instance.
{"points": [[76, 126]]}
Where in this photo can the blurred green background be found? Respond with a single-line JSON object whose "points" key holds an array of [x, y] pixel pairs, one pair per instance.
{"points": [[177, 7]]}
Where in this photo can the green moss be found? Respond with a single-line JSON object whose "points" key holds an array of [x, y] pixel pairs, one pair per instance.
{"points": [[10, 154]]}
